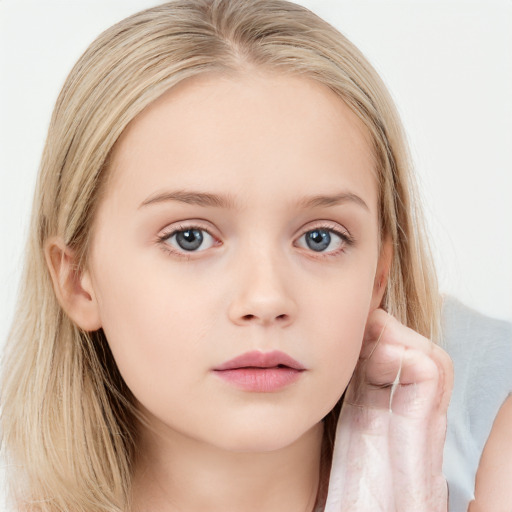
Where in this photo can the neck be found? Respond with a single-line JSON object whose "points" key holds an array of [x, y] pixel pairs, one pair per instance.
{"points": [[177, 473]]}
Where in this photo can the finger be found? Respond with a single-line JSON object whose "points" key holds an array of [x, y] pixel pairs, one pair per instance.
{"points": [[373, 379], [396, 378], [417, 392], [400, 380], [382, 330], [375, 326], [387, 329]]}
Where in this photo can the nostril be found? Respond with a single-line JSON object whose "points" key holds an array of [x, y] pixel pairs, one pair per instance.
{"points": [[282, 317]]}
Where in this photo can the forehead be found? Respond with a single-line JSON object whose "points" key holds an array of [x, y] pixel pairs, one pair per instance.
{"points": [[255, 135]]}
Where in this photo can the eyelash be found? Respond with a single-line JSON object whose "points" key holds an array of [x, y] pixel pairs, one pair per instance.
{"points": [[164, 237], [162, 240], [347, 241]]}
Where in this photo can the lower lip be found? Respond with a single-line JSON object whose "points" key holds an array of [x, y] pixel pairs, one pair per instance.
{"points": [[262, 380]]}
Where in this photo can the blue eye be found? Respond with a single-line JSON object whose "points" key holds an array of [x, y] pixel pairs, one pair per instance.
{"points": [[323, 240], [195, 239], [318, 240], [189, 239]]}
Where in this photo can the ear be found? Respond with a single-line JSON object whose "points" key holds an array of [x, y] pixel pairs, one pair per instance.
{"points": [[382, 273], [72, 286]]}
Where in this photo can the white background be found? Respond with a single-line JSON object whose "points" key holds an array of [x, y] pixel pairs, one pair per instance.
{"points": [[447, 63]]}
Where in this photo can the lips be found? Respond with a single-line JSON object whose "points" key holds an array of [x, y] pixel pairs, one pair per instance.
{"points": [[257, 359], [261, 371]]}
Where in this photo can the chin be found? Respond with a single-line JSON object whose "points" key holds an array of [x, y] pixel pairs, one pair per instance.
{"points": [[263, 437]]}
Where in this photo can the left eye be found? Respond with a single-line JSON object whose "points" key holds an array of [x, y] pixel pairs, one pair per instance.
{"points": [[190, 240], [320, 239]]}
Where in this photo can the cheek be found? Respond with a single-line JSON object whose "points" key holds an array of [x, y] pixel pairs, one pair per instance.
{"points": [[167, 328], [340, 307], [154, 326], [335, 333]]}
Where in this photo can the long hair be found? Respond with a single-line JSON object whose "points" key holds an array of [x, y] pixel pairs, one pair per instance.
{"points": [[68, 419]]}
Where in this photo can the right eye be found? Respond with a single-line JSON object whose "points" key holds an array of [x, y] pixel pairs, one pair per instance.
{"points": [[189, 239]]}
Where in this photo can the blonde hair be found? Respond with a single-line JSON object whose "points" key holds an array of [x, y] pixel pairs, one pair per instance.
{"points": [[68, 423]]}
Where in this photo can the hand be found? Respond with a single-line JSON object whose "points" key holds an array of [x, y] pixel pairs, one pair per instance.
{"points": [[389, 443]]}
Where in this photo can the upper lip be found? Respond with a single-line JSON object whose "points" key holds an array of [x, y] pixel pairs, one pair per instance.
{"points": [[257, 359]]}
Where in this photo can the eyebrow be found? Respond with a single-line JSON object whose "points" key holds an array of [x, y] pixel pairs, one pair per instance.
{"points": [[192, 197], [206, 199], [332, 200]]}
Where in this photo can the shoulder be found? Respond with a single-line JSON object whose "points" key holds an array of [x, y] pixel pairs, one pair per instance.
{"points": [[493, 492], [481, 350]]}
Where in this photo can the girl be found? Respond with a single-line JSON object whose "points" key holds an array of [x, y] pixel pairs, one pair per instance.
{"points": [[224, 215]]}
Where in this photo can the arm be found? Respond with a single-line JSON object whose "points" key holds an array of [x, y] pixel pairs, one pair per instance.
{"points": [[493, 489]]}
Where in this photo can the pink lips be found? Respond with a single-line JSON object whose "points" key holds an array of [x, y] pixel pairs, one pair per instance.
{"points": [[261, 371]]}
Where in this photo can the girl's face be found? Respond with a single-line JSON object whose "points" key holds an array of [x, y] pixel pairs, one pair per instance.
{"points": [[240, 216]]}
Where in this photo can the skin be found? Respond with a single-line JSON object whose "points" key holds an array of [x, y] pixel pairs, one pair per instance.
{"points": [[492, 490], [172, 316]]}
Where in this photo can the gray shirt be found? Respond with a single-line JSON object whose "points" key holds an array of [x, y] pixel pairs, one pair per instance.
{"points": [[481, 350]]}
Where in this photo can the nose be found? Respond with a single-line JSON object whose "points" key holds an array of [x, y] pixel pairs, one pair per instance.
{"points": [[261, 296]]}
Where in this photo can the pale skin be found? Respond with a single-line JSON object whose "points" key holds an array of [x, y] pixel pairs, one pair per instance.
{"points": [[255, 163], [493, 492]]}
